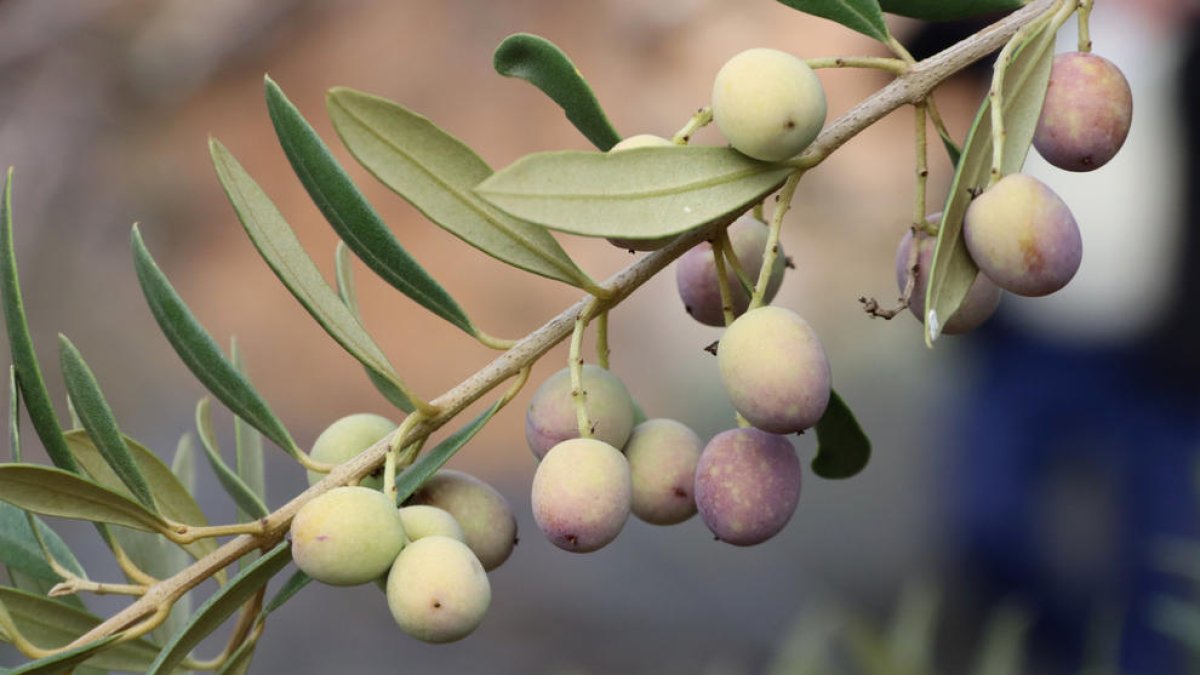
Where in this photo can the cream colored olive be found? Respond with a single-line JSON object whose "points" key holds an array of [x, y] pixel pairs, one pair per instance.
{"points": [[768, 104], [422, 521], [437, 590], [343, 440], [347, 536]]}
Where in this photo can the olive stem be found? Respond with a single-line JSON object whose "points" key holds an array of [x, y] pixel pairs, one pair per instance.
{"points": [[783, 202], [922, 170], [996, 92], [575, 368], [602, 340], [890, 65], [734, 263], [698, 121], [1085, 34], [719, 253]]}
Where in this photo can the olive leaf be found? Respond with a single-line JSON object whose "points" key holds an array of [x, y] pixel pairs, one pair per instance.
{"points": [[420, 471], [54, 492], [20, 550], [248, 447], [220, 606], [101, 425], [863, 16], [642, 193], [247, 501], [50, 624], [201, 354], [63, 662], [437, 173], [279, 247], [20, 344], [344, 276], [952, 271], [351, 216], [949, 10], [541, 63], [843, 448], [173, 499]]}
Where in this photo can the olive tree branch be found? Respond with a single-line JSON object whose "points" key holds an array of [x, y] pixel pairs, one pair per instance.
{"points": [[908, 88]]}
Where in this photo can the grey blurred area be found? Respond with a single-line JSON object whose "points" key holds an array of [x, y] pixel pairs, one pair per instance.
{"points": [[105, 110]]}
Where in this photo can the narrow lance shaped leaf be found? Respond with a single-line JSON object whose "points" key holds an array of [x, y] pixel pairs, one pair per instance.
{"points": [[20, 343], [14, 415], [201, 354], [345, 288], [949, 10], [243, 496], [98, 419], [278, 245], [248, 446], [863, 16], [63, 662], [543, 64], [351, 216], [642, 193], [173, 499], [183, 465], [50, 624], [420, 471], [843, 448], [20, 550], [437, 174], [220, 606], [54, 492], [952, 271], [239, 661]]}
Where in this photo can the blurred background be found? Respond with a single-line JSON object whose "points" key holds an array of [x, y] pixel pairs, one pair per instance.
{"points": [[1041, 461]]}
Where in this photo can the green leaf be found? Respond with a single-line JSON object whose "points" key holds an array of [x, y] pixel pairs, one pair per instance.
{"points": [[63, 662], [19, 548], [14, 414], [54, 492], [184, 463], [20, 344], [173, 500], [220, 606], [278, 245], [949, 10], [345, 289], [201, 354], [541, 63], [952, 271], [641, 193], [863, 16], [351, 216], [843, 448], [242, 495], [248, 448], [101, 424], [239, 661], [415, 475], [437, 173], [50, 624]]}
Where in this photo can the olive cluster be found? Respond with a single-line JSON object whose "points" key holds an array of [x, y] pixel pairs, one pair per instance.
{"points": [[431, 555], [1020, 234]]}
